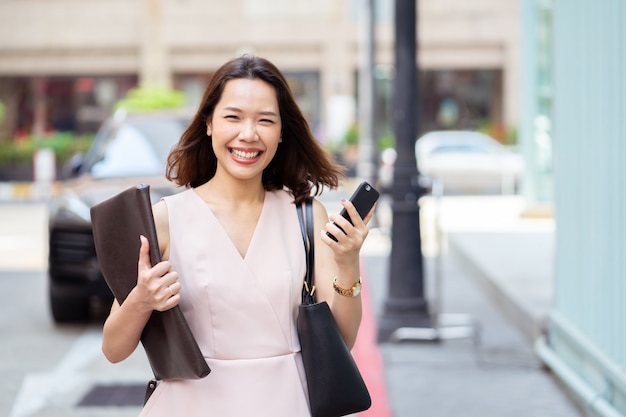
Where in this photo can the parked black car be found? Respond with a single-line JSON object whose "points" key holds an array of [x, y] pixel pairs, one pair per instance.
{"points": [[129, 149]]}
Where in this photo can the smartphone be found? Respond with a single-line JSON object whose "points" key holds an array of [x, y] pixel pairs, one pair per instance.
{"points": [[363, 199]]}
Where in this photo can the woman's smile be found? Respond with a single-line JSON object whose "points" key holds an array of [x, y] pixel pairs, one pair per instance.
{"points": [[245, 155]]}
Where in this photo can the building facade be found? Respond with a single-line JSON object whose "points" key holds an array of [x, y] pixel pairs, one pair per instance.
{"points": [[64, 62], [586, 343]]}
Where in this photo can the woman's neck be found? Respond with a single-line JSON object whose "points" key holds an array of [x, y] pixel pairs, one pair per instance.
{"points": [[232, 191]]}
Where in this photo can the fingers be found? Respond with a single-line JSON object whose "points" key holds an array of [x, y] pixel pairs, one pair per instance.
{"points": [[145, 271], [173, 289], [332, 230], [354, 214], [171, 296], [158, 284], [144, 254], [166, 289], [164, 292], [355, 219], [169, 277], [348, 235]]}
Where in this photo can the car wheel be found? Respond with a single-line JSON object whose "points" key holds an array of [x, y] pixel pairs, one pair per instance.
{"points": [[69, 309]]}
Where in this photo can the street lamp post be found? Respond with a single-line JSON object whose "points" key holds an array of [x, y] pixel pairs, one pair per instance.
{"points": [[405, 305]]}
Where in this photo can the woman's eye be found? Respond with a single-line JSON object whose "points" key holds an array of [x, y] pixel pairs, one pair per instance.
{"points": [[266, 121], [232, 117]]}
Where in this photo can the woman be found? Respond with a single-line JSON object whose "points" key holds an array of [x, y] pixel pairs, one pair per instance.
{"points": [[233, 253]]}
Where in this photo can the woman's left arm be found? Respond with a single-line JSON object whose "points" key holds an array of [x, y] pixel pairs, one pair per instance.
{"points": [[338, 264]]}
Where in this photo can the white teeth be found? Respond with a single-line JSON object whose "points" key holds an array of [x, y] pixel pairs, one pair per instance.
{"points": [[244, 155]]}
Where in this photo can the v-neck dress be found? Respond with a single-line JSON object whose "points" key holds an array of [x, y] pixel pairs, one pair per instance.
{"points": [[242, 312]]}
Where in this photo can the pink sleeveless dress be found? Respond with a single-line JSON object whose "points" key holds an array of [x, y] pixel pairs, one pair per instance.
{"points": [[242, 312]]}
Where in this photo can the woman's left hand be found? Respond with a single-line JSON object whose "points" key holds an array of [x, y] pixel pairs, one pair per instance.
{"points": [[349, 237]]}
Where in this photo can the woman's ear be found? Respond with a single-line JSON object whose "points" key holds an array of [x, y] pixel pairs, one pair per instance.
{"points": [[209, 128]]}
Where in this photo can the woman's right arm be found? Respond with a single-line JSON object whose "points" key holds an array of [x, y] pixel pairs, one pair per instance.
{"points": [[157, 289]]}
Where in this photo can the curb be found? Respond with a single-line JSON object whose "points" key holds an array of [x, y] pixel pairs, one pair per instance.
{"points": [[26, 191]]}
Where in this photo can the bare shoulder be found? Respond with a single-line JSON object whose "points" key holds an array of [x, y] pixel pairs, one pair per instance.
{"points": [[319, 210], [161, 222], [320, 214], [159, 211]]}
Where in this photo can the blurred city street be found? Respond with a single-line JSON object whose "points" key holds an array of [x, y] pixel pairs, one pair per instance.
{"points": [[483, 124], [494, 271]]}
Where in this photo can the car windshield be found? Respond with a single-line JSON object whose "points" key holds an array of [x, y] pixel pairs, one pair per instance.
{"points": [[460, 148], [136, 148]]}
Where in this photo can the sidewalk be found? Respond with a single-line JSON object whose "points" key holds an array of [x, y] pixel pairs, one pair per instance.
{"points": [[496, 270]]}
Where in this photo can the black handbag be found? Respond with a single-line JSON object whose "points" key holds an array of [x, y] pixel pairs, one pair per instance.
{"points": [[335, 385]]}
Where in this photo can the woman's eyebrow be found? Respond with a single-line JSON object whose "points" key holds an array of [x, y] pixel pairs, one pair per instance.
{"points": [[262, 113]]}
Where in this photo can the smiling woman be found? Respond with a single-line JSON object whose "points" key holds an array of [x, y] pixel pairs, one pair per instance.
{"points": [[233, 253]]}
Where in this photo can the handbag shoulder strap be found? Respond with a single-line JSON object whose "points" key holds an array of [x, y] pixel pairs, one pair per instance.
{"points": [[308, 287]]}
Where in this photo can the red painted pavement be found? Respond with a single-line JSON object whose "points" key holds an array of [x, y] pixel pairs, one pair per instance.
{"points": [[369, 359]]}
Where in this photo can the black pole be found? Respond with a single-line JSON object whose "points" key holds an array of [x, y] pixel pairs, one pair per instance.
{"points": [[406, 305]]}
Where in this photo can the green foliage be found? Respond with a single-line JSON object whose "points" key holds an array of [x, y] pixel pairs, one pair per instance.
{"points": [[506, 136], [383, 142], [386, 141], [64, 145], [143, 99], [510, 138], [352, 135], [2, 111]]}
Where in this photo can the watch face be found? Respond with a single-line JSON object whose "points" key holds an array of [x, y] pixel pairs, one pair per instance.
{"points": [[356, 291]]}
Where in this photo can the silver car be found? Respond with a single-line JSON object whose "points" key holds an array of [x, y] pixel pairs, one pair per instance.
{"points": [[468, 162]]}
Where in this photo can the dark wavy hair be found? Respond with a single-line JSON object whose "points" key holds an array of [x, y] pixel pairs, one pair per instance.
{"points": [[300, 163]]}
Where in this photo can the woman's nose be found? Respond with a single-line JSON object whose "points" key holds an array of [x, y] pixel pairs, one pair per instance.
{"points": [[248, 132]]}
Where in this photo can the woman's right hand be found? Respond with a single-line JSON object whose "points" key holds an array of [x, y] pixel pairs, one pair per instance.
{"points": [[157, 286], [157, 289]]}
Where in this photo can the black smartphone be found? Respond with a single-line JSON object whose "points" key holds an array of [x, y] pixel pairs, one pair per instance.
{"points": [[363, 199]]}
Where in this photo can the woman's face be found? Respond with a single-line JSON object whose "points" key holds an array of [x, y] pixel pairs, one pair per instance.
{"points": [[245, 128]]}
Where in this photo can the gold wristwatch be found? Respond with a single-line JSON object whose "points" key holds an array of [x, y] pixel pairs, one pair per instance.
{"points": [[352, 292]]}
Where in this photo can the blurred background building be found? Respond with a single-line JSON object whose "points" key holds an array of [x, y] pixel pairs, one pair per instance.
{"points": [[64, 63]]}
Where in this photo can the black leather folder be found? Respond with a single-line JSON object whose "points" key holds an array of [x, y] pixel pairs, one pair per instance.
{"points": [[167, 339]]}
